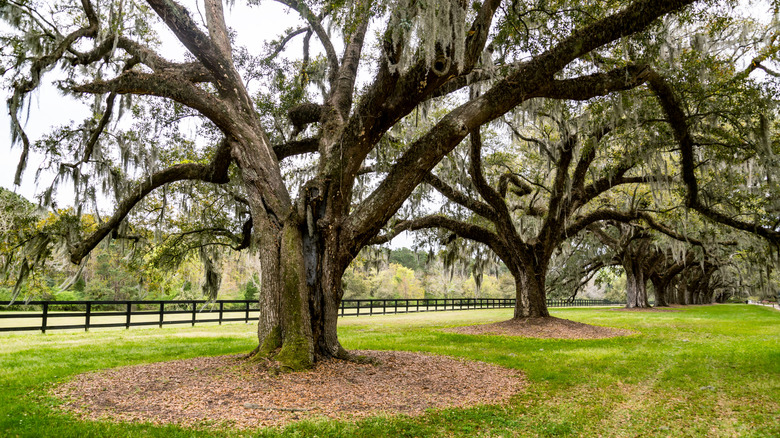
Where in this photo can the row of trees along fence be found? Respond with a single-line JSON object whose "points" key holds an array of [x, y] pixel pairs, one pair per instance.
{"points": [[103, 314]]}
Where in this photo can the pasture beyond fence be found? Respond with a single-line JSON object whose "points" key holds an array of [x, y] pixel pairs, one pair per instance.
{"points": [[86, 315]]}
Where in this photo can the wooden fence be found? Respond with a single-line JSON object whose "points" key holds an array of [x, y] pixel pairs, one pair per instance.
{"points": [[84, 315]]}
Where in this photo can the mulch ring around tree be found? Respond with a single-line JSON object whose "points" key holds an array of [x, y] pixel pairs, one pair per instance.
{"points": [[549, 327], [228, 391]]}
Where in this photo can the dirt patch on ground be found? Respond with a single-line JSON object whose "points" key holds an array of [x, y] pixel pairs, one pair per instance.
{"points": [[227, 391], [549, 327]]}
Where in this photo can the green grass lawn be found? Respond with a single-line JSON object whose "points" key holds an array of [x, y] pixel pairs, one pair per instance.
{"points": [[702, 371]]}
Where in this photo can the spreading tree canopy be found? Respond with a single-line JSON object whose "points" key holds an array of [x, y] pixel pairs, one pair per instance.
{"points": [[282, 143]]}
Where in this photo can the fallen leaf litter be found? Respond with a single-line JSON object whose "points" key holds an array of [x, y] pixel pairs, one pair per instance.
{"points": [[228, 391], [550, 327]]}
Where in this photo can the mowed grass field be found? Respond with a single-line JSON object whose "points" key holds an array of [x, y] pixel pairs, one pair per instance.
{"points": [[700, 371]]}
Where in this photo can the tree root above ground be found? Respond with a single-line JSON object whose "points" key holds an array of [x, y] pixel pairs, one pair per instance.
{"points": [[548, 327], [231, 392]]}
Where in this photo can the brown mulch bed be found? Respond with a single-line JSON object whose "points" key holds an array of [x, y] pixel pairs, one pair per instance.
{"points": [[549, 327], [228, 391]]}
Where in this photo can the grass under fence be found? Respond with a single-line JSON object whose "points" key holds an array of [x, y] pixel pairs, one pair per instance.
{"points": [[698, 371]]}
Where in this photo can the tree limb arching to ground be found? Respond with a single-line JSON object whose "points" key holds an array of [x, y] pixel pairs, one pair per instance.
{"points": [[307, 235]]}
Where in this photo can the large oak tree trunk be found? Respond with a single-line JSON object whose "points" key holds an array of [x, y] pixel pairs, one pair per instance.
{"points": [[324, 273], [636, 285], [530, 292], [687, 297], [300, 297], [284, 328], [660, 286]]}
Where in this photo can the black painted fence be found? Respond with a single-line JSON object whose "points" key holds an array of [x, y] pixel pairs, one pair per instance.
{"points": [[45, 315]]}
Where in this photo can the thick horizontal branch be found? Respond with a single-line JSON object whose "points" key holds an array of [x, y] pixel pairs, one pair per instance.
{"points": [[604, 184], [216, 172], [664, 229], [163, 85], [296, 147], [521, 189], [579, 88], [189, 71], [598, 84]]}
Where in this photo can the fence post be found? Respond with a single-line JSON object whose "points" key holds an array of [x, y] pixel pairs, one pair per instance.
{"points": [[194, 305], [162, 312], [246, 314], [357, 313], [221, 304], [44, 317], [86, 316], [127, 315]]}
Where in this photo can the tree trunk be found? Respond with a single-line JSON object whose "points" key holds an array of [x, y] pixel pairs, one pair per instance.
{"points": [[687, 298], [284, 328], [324, 273], [661, 288], [530, 292], [677, 293], [636, 285], [300, 296]]}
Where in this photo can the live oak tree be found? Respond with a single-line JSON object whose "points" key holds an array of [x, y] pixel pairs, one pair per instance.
{"points": [[661, 160], [306, 234], [644, 255], [542, 193], [722, 125]]}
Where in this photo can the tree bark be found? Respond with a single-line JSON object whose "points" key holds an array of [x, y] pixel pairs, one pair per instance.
{"points": [[530, 293], [300, 297], [636, 285], [661, 288], [285, 329]]}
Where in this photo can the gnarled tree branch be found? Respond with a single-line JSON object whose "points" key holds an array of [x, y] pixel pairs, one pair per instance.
{"points": [[215, 172], [682, 135], [458, 197]]}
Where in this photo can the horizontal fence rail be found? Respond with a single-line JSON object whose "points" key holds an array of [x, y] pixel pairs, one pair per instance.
{"points": [[60, 315]]}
